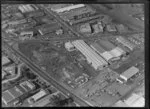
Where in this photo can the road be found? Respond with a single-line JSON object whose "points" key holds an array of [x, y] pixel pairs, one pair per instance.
{"points": [[74, 38], [44, 75]]}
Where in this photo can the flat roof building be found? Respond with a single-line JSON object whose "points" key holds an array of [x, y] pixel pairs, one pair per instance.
{"points": [[129, 73], [37, 96], [92, 57]]}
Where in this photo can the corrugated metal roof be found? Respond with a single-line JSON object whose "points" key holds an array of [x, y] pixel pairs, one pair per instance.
{"points": [[130, 72], [89, 53]]}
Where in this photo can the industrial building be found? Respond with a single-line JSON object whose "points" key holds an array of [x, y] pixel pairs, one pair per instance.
{"points": [[128, 74], [107, 50], [27, 86], [42, 102], [58, 6], [105, 54], [48, 28], [92, 57], [73, 22], [126, 43], [78, 14], [37, 96], [68, 8], [11, 94]]}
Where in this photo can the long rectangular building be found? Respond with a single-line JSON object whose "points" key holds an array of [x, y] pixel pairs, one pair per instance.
{"points": [[68, 8], [129, 73], [78, 13], [92, 57]]}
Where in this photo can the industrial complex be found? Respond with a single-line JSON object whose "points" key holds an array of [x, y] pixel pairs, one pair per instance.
{"points": [[73, 55]]}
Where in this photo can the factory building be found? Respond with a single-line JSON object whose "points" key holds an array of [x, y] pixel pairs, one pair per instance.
{"points": [[126, 43], [48, 28], [73, 22], [107, 50], [78, 14], [128, 74], [11, 94], [27, 86], [37, 96], [68, 8], [92, 57], [108, 46], [105, 54]]}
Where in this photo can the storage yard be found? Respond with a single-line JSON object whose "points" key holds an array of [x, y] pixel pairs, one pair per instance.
{"points": [[72, 55]]}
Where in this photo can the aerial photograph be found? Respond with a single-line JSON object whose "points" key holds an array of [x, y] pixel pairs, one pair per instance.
{"points": [[72, 55]]}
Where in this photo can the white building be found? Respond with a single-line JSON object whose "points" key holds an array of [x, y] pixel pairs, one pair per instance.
{"points": [[37, 96], [68, 8], [92, 57], [129, 73]]}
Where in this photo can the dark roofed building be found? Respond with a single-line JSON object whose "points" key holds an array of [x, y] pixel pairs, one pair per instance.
{"points": [[106, 45]]}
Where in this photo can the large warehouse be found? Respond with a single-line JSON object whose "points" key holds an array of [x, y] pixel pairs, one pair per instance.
{"points": [[92, 57], [107, 50]]}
